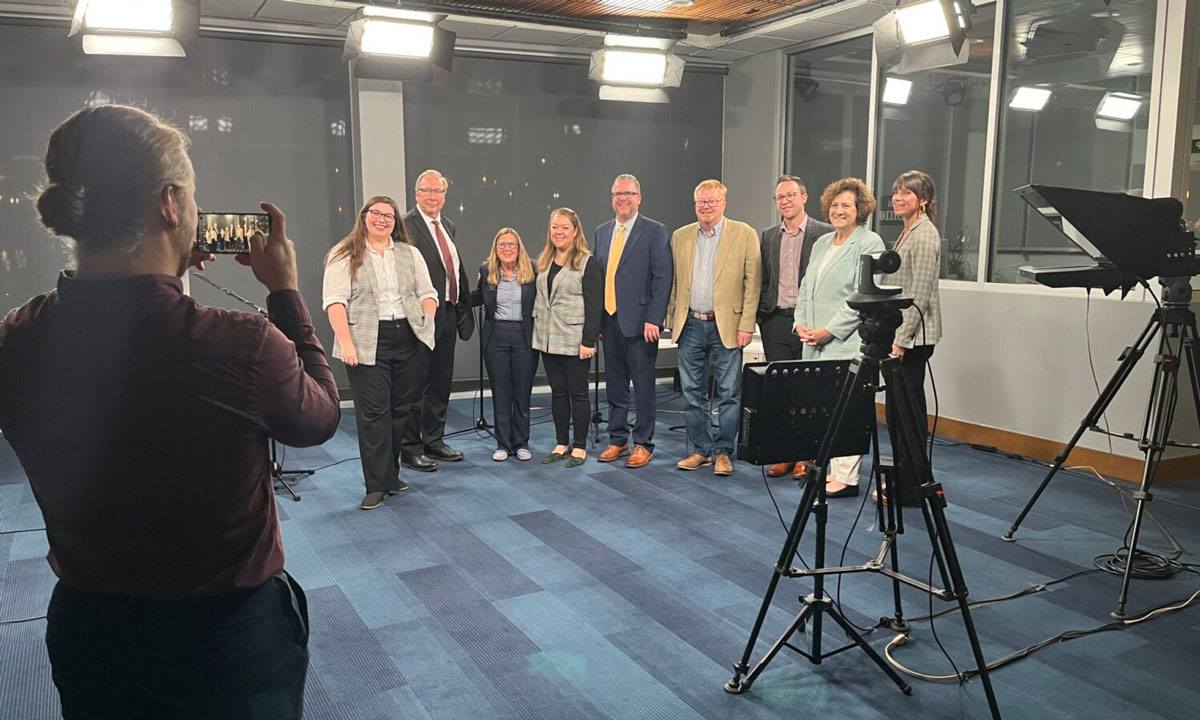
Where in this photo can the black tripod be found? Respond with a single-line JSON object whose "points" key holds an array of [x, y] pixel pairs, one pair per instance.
{"points": [[481, 423], [597, 417], [879, 320], [278, 474], [1175, 324]]}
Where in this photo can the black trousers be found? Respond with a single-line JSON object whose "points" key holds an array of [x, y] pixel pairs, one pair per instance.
{"points": [[568, 377], [510, 362], [779, 342], [387, 398], [230, 657], [429, 426], [913, 364], [629, 359]]}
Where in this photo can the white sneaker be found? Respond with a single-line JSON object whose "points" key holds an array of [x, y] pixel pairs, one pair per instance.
{"points": [[500, 455], [524, 454]]}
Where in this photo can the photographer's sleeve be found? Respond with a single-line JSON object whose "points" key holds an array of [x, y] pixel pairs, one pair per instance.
{"points": [[296, 397]]}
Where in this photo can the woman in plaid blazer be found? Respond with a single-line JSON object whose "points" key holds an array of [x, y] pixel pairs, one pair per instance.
{"points": [[919, 247]]}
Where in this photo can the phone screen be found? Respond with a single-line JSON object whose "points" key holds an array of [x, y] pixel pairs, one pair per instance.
{"points": [[225, 233]]}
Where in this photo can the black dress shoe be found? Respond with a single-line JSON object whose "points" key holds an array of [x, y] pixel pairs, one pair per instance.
{"points": [[420, 463], [848, 491], [442, 451]]}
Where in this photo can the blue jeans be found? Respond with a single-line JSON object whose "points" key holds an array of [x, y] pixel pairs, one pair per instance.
{"points": [[699, 346]]}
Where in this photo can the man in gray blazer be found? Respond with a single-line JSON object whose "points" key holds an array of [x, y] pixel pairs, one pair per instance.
{"points": [[786, 247]]}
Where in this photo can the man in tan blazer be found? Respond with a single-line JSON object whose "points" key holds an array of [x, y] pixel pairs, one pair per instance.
{"points": [[711, 315]]}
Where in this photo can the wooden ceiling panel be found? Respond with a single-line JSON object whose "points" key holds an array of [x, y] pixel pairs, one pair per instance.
{"points": [[704, 17]]}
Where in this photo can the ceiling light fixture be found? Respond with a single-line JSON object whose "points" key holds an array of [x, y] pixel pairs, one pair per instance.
{"points": [[1119, 106], [924, 35], [636, 68], [393, 44], [896, 91], [1032, 99], [163, 28]]}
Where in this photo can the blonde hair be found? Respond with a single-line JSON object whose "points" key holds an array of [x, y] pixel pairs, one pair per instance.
{"points": [[711, 185], [524, 267], [354, 245], [106, 168], [579, 248]]}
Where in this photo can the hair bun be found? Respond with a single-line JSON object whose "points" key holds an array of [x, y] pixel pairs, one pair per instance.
{"points": [[61, 206]]}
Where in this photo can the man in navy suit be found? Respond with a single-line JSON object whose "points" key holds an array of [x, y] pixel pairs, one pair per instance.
{"points": [[636, 256]]}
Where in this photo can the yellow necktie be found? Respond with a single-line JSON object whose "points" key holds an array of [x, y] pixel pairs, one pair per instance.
{"points": [[610, 275]]}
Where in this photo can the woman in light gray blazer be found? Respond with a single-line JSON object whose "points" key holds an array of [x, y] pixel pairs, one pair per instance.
{"points": [[381, 304], [826, 325], [919, 246]]}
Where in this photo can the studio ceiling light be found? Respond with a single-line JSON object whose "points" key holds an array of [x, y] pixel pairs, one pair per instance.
{"points": [[924, 35], [636, 68], [136, 27], [392, 44], [1119, 106], [896, 91], [1030, 98]]}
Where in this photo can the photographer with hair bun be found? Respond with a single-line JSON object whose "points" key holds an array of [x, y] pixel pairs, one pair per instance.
{"points": [[141, 419]]}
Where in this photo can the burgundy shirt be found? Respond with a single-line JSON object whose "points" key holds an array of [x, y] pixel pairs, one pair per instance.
{"points": [[142, 418]]}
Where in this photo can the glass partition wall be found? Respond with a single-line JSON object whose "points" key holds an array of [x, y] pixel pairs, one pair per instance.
{"points": [[1052, 92]]}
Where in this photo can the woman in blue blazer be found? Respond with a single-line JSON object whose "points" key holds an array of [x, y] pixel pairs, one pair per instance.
{"points": [[506, 291], [826, 325]]}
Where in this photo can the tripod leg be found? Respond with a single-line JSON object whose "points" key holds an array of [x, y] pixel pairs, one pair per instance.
{"points": [[1159, 415], [933, 503], [1129, 359], [870, 651]]}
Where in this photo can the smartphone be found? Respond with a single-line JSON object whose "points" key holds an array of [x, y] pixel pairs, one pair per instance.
{"points": [[227, 233]]}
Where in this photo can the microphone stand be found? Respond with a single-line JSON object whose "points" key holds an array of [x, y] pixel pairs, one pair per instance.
{"points": [[278, 474], [481, 423]]}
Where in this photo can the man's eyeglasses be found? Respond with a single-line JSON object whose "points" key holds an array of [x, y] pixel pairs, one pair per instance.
{"points": [[432, 191], [625, 194], [376, 215], [708, 203], [787, 196], [507, 246]]}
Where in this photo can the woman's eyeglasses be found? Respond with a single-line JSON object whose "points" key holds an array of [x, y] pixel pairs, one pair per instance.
{"points": [[376, 215]]}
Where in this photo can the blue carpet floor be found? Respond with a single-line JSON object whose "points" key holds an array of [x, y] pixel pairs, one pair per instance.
{"points": [[517, 590]]}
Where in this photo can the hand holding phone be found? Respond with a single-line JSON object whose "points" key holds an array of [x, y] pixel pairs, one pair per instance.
{"points": [[272, 256]]}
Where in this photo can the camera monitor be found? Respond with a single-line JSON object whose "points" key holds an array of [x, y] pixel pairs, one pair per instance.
{"points": [[787, 407], [229, 232]]}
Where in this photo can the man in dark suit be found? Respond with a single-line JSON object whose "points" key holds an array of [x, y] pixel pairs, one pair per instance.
{"points": [[636, 255], [786, 247], [433, 235]]}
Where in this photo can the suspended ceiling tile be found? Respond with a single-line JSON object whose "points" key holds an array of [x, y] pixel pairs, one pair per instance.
{"points": [[720, 54], [305, 13], [473, 30], [758, 44], [809, 30], [231, 8], [536, 36]]}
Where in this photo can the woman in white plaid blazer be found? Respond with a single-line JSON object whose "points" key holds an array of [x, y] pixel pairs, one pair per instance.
{"points": [[919, 247]]}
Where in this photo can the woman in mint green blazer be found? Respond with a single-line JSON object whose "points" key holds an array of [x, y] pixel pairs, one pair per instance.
{"points": [[824, 322]]}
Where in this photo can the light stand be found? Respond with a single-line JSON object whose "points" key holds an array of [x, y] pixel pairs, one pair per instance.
{"points": [[597, 417], [481, 423], [879, 320], [278, 474]]}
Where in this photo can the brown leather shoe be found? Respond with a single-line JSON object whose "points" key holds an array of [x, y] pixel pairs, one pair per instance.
{"points": [[779, 469], [723, 465], [640, 457], [612, 452], [801, 470], [695, 461]]}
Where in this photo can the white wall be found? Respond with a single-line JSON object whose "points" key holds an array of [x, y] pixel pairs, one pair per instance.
{"points": [[754, 116]]}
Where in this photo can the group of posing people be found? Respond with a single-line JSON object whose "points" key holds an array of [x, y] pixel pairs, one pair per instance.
{"points": [[395, 293], [172, 598]]}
